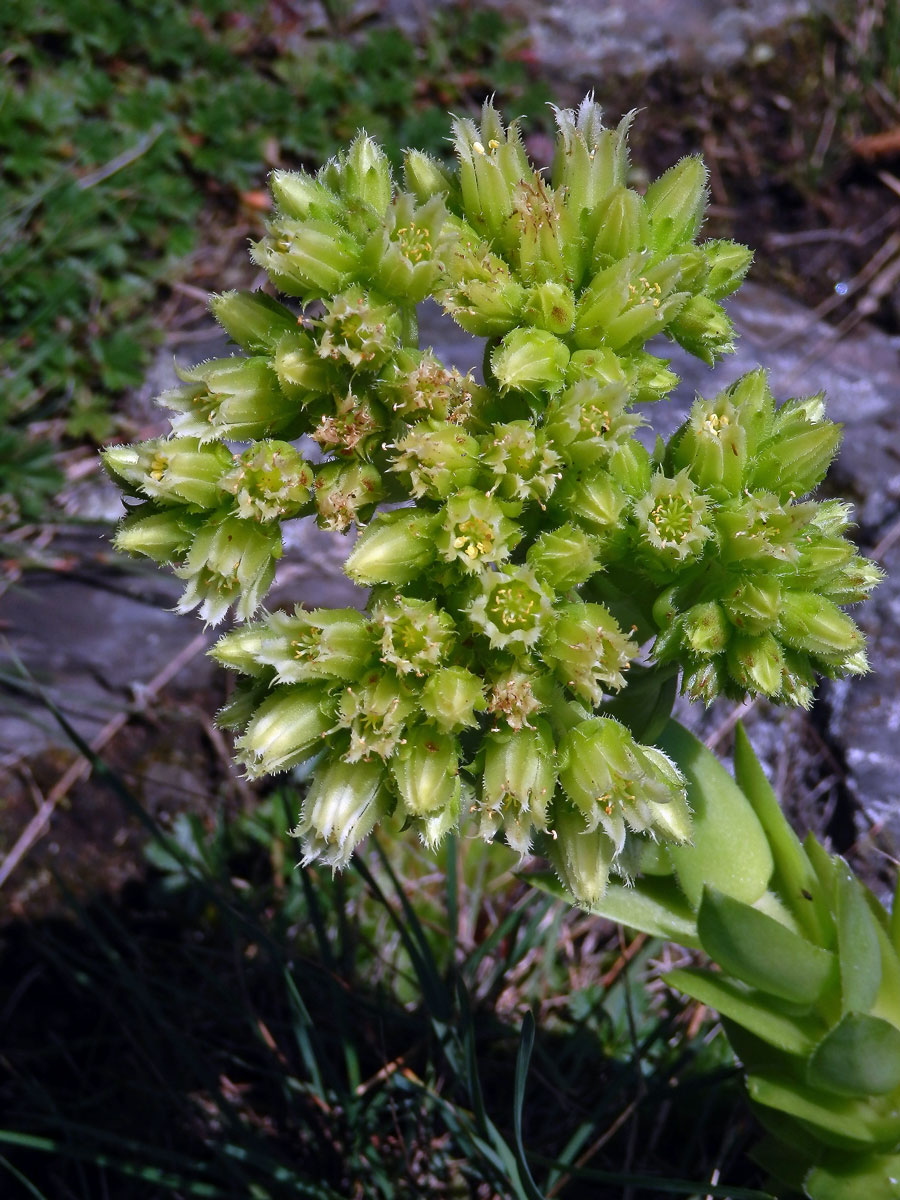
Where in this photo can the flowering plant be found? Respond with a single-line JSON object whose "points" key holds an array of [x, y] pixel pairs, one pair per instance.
{"points": [[539, 578]]}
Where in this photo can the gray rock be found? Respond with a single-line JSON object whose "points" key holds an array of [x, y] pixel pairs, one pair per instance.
{"points": [[577, 41]]}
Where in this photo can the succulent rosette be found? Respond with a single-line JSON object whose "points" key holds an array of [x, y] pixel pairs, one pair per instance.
{"points": [[523, 549]]}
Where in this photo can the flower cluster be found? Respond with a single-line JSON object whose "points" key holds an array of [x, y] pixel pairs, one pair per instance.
{"points": [[520, 543]]}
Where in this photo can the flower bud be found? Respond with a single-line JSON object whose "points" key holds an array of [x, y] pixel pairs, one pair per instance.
{"points": [[646, 316], [756, 664], [794, 463], [798, 682], [587, 650], [475, 531], [302, 197], [175, 470], [712, 446], [236, 398], [298, 366], [630, 467], [239, 650], [512, 608], [395, 548], [451, 697], [563, 558], [581, 857], [343, 805], [704, 329], [550, 306], [285, 730], [650, 378], [757, 529], [270, 482], [728, 264], [375, 712], [229, 562], [309, 259], [436, 459], [618, 785], [491, 162], [670, 519], [812, 623], [365, 173], [588, 420], [590, 161], [434, 827], [530, 360], [517, 784], [605, 297], [593, 500], [598, 364], [706, 681], [853, 582], [254, 320], [623, 226], [322, 644], [346, 493], [676, 203], [753, 605], [705, 629], [425, 176], [483, 296], [523, 465], [425, 769], [162, 536], [402, 258], [547, 236], [512, 697], [415, 635]]}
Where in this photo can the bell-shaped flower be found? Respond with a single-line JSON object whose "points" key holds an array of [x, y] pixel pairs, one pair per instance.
{"points": [[230, 562], [341, 808], [516, 786], [414, 636], [269, 482], [512, 608]]}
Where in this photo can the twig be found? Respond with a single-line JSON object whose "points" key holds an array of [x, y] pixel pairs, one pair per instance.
{"points": [[878, 145], [125, 159], [889, 538], [722, 730], [81, 766], [878, 260]]}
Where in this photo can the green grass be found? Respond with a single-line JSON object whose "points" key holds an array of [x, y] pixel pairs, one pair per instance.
{"points": [[235, 1026], [129, 131]]}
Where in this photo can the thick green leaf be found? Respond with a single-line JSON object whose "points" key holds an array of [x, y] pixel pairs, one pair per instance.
{"points": [[859, 1057], [783, 1162], [654, 905], [823, 864], [761, 951], [874, 1177], [859, 949], [794, 875], [750, 1009], [729, 849], [887, 1002], [895, 917], [836, 1120]]}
